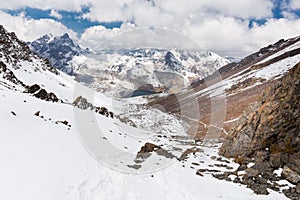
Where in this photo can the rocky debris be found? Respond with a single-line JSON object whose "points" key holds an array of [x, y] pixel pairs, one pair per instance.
{"points": [[148, 148], [13, 113], [134, 166], [187, 152], [244, 84], [82, 103], [268, 134], [126, 120], [292, 193], [64, 122], [290, 175], [298, 188]]}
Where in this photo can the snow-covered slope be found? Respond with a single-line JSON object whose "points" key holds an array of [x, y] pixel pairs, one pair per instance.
{"points": [[45, 151]]}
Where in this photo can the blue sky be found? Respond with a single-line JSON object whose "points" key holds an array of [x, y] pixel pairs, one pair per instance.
{"points": [[72, 20]]}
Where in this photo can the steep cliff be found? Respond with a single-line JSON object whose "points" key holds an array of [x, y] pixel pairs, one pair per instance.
{"points": [[268, 133]]}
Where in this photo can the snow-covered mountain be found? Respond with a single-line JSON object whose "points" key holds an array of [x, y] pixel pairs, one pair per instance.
{"points": [[121, 72], [58, 50], [55, 133]]}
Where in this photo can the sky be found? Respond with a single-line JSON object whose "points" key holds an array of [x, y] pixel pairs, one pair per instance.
{"points": [[227, 27]]}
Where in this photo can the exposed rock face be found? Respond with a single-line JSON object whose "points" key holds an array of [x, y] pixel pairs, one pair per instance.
{"points": [[40, 93], [59, 51], [82, 103], [148, 148], [13, 51], [269, 132], [271, 125]]}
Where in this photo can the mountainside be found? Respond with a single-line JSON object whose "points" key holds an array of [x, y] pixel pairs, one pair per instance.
{"points": [[263, 139], [220, 99], [268, 134], [61, 140], [127, 72], [58, 50]]}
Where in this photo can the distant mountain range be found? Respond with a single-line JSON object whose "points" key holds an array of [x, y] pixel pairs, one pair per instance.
{"points": [[121, 72]]}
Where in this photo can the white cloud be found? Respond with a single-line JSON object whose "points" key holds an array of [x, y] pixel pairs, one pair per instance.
{"points": [[69, 5], [30, 29], [55, 14], [218, 25], [224, 35], [295, 4], [129, 36]]}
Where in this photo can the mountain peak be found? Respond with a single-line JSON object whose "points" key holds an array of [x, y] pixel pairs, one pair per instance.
{"points": [[66, 35], [59, 50]]}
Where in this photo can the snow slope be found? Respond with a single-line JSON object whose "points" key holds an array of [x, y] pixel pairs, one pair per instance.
{"points": [[44, 160]]}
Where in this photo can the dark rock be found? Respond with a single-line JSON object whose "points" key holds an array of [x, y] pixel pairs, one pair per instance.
{"points": [[252, 172], [134, 166], [275, 161], [37, 113], [187, 152], [242, 167], [34, 88], [290, 175], [298, 188]]}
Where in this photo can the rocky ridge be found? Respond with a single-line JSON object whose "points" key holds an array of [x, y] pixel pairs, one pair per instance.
{"points": [[268, 134]]}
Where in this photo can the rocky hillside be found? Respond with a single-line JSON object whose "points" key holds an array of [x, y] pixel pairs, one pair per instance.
{"points": [[269, 132], [214, 104]]}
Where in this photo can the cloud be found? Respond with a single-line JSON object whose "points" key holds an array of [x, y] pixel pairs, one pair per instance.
{"points": [[30, 29], [224, 35], [295, 4], [70, 5], [147, 12], [55, 14], [129, 36], [217, 25]]}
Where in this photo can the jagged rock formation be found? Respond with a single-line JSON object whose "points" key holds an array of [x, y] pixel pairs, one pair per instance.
{"points": [[59, 51], [13, 51], [268, 133], [41, 93], [83, 104]]}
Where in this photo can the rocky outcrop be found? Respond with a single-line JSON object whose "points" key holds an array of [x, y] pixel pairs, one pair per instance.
{"points": [[12, 51], [268, 133], [9, 75], [41, 93], [82, 103]]}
